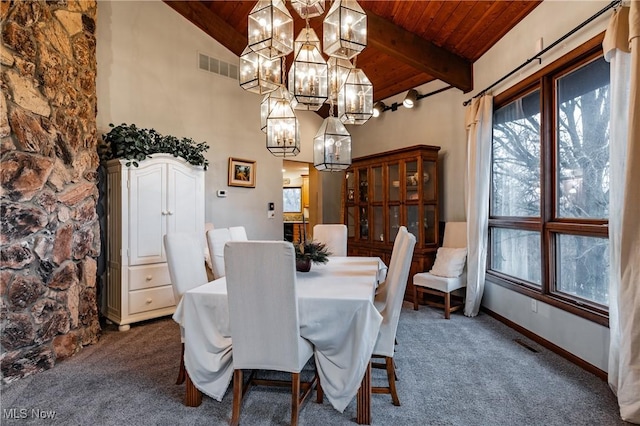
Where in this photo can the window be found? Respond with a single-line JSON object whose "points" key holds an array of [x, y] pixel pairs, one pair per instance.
{"points": [[549, 206], [292, 200]]}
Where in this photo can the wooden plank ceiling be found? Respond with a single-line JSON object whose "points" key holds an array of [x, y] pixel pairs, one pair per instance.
{"points": [[410, 42]]}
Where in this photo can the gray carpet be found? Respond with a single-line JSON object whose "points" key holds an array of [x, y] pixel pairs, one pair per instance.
{"points": [[465, 371]]}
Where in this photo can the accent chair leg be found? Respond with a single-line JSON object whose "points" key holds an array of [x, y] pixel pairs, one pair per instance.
{"points": [[237, 397], [181, 370], [416, 305], [447, 305], [391, 372], [295, 398]]}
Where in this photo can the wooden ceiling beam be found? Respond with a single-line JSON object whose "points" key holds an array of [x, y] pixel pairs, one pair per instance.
{"points": [[421, 54], [210, 23]]}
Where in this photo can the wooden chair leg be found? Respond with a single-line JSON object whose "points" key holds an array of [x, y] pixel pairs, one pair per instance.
{"points": [[192, 396], [447, 305], [415, 298], [295, 398], [391, 372], [319, 392], [237, 397], [181, 370], [395, 371]]}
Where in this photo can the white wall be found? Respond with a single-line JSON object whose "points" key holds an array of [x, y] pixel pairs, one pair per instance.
{"points": [[148, 75]]}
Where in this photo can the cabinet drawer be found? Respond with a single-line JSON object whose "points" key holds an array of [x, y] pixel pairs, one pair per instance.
{"points": [[150, 299], [148, 276]]}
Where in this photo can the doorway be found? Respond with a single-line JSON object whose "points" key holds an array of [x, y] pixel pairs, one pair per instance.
{"points": [[299, 217]]}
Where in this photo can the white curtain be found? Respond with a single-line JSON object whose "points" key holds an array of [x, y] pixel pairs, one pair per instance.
{"points": [[479, 122], [622, 37]]}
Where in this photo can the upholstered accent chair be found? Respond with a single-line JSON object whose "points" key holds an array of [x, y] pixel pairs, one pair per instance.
{"points": [[448, 273]]}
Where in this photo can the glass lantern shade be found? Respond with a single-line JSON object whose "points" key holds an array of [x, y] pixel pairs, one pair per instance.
{"points": [[345, 29], [308, 74], [270, 100], [283, 130], [332, 146], [308, 8], [338, 71], [306, 37], [270, 29], [355, 100], [258, 74]]}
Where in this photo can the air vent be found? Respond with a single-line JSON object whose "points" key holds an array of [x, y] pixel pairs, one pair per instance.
{"points": [[525, 345], [217, 66]]}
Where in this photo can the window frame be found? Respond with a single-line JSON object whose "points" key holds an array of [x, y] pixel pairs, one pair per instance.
{"points": [[548, 225]]}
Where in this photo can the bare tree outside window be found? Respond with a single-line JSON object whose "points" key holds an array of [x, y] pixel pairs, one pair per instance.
{"points": [[583, 178]]}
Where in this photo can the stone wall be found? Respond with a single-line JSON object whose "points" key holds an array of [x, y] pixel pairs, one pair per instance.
{"points": [[50, 235]]}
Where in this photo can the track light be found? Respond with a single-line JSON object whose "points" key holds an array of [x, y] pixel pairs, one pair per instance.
{"points": [[378, 108], [410, 99]]}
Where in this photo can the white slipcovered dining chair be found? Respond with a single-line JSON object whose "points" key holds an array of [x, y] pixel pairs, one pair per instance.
{"points": [[238, 233], [395, 286], [216, 239], [381, 292], [448, 272], [187, 271], [263, 314], [333, 236], [208, 226]]}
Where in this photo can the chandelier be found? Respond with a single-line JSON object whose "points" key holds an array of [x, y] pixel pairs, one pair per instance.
{"points": [[312, 81], [308, 74], [270, 29], [259, 74], [345, 29], [355, 98], [283, 130], [308, 8], [332, 146]]}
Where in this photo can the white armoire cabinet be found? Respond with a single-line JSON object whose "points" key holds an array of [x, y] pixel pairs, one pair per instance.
{"points": [[163, 194]]}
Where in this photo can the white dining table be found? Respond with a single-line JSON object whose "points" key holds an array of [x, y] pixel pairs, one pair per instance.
{"points": [[336, 314]]}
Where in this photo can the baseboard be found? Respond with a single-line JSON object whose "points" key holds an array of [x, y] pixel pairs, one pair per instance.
{"points": [[547, 344]]}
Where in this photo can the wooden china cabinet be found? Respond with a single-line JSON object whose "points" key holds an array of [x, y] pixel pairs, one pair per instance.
{"points": [[387, 190]]}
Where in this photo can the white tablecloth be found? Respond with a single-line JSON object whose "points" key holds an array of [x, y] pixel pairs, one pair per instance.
{"points": [[337, 315]]}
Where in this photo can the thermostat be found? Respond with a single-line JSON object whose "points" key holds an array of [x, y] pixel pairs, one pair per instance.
{"points": [[221, 193]]}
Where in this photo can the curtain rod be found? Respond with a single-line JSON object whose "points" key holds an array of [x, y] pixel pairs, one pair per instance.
{"points": [[538, 56]]}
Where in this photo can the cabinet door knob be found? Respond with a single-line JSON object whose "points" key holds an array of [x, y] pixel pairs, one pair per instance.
{"points": [[164, 213], [149, 277], [170, 212], [149, 301]]}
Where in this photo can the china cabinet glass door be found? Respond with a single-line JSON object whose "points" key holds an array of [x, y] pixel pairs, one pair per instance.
{"points": [[411, 181], [429, 199], [363, 199]]}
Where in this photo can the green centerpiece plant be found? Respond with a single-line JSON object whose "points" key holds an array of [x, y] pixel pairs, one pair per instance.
{"points": [[308, 251]]}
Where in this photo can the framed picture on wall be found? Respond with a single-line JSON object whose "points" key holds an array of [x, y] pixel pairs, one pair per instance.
{"points": [[242, 173]]}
